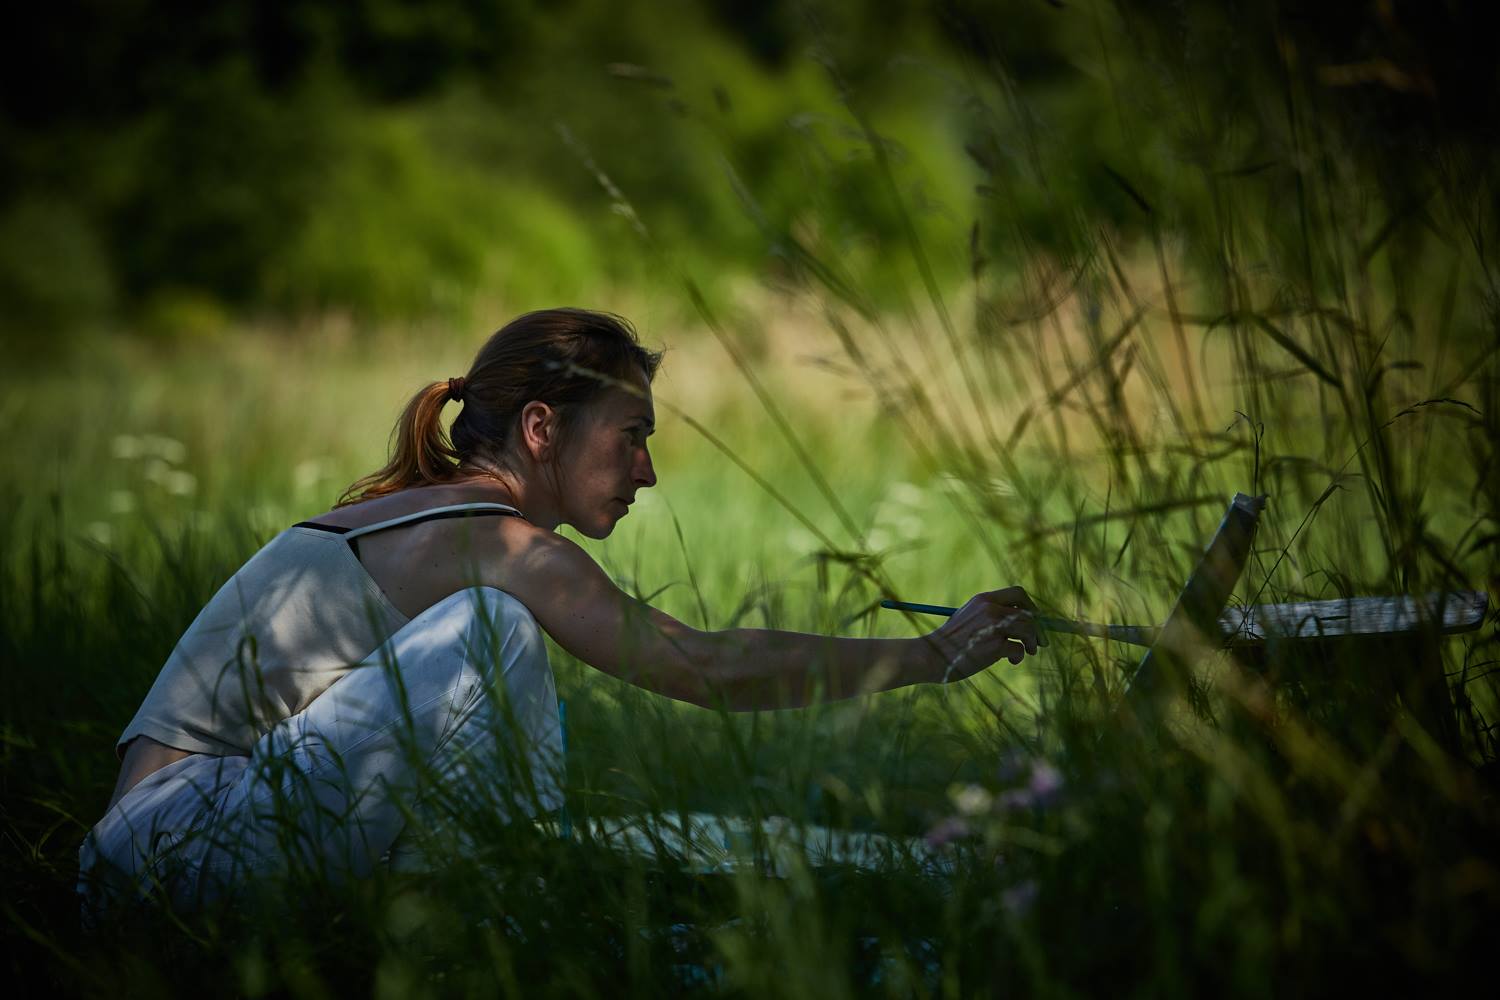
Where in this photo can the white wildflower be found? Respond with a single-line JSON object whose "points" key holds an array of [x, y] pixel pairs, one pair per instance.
{"points": [[157, 472], [971, 800], [307, 474], [125, 446], [167, 449], [180, 484]]}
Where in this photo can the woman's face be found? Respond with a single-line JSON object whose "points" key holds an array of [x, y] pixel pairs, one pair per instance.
{"points": [[606, 461]]}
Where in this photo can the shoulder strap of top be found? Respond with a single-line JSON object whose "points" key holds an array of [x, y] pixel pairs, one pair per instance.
{"points": [[431, 514]]}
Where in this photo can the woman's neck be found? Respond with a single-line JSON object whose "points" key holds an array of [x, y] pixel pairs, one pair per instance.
{"points": [[524, 493]]}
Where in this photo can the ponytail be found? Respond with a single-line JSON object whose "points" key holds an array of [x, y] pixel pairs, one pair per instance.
{"points": [[421, 453]]}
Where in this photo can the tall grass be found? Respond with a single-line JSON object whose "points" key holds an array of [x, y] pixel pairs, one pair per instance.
{"points": [[1073, 420]]}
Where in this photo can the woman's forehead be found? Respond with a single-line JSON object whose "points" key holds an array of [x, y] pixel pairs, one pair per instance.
{"points": [[621, 402]]}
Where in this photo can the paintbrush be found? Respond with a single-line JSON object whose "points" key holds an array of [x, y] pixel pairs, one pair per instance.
{"points": [[1135, 635]]}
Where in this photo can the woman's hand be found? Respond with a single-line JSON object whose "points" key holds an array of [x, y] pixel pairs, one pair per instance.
{"points": [[996, 625]]}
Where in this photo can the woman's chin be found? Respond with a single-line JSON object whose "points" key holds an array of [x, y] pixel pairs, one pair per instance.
{"points": [[597, 530], [599, 523]]}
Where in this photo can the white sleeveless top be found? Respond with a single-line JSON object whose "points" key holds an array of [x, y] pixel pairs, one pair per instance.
{"points": [[291, 621]]}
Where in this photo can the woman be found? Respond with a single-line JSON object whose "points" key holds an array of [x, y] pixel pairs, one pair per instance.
{"points": [[394, 644]]}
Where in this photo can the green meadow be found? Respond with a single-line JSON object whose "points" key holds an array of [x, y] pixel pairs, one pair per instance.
{"points": [[943, 313]]}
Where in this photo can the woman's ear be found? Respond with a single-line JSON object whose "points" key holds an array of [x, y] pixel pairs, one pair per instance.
{"points": [[539, 430]]}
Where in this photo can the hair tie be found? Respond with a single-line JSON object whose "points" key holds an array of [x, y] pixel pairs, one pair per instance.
{"points": [[456, 389]]}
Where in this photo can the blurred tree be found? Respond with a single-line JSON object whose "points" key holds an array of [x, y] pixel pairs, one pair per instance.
{"points": [[388, 155]]}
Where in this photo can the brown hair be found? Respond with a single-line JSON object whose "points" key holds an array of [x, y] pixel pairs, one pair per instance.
{"points": [[561, 357]]}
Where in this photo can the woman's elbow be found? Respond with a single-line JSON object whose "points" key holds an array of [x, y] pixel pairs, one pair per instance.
{"points": [[715, 670]]}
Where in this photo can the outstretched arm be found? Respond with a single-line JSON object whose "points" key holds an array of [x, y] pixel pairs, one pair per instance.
{"points": [[744, 669]]}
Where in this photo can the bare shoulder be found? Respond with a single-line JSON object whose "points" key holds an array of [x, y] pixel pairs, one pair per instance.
{"points": [[574, 600], [551, 574], [525, 552]]}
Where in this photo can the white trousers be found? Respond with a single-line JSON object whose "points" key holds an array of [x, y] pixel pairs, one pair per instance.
{"points": [[422, 722]]}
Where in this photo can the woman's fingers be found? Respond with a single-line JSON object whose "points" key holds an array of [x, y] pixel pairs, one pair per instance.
{"points": [[1014, 597], [993, 626], [1021, 628]]}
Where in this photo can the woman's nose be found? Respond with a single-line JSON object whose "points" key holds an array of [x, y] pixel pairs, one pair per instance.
{"points": [[645, 472]]}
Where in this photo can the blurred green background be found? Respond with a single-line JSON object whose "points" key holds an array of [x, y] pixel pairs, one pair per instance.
{"points": [[982, 292], [169, 168]]}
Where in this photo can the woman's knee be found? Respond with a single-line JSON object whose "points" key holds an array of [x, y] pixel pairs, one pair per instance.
{"points": [[502, 625], [477, 603], [471, 638], [464, 613]]}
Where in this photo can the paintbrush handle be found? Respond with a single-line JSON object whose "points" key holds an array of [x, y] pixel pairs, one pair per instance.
{"points": [[921, 609], [1135, 635]]}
